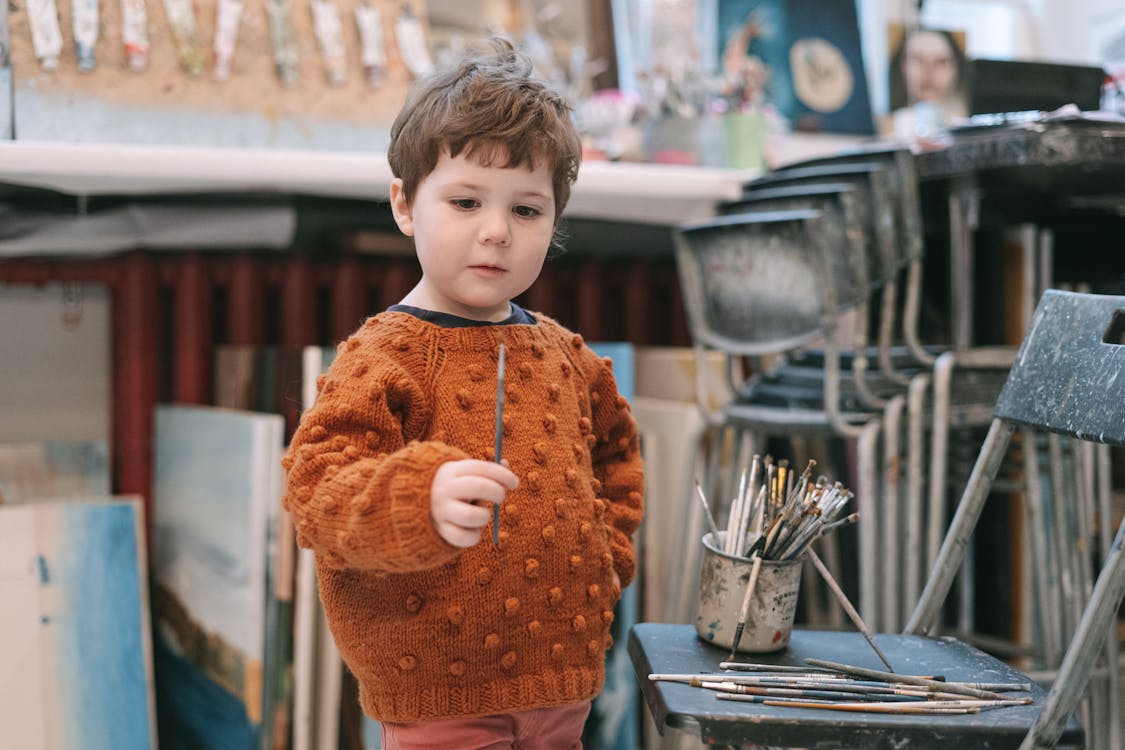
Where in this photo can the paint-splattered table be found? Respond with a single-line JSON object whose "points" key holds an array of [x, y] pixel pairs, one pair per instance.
{"points": [[658, 648]]}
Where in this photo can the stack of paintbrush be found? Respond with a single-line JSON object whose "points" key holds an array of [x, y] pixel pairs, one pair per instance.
{"points": [[776, 515], [839, 687]]}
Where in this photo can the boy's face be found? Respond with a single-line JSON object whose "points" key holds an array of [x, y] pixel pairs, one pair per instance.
{"points": [[481, 233]]}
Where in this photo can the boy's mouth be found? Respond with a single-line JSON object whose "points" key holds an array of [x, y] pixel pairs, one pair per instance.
{"points": [[484, 268]]}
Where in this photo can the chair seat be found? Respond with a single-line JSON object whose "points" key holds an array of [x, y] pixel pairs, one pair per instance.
{"points": [[787, 419], [901, 356], [800, 387], [972, 393], [677, 649]]}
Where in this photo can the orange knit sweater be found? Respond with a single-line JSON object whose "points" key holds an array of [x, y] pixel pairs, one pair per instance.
{"points": [[429, 630]]}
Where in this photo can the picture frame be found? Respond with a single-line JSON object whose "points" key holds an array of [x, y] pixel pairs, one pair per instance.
{"points": [[812, 56]]}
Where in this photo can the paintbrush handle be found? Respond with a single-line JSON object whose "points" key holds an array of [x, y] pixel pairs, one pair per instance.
{"points": [[906, 679], [498, 451], [707, 516], [875, 708], [745, 608], [847, 605]]}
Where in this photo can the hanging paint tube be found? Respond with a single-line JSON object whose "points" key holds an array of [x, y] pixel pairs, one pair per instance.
{"points": [[373, 51], [181, 16], [284, 37], [330, 36], [227, 17], [45, 34], [85, 23], [411, 41], [134, 34]]}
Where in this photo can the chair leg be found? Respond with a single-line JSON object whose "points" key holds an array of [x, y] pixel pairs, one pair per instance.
{"points": [[1104, 492], [1042, 578], [925, 615], [1074, 673], [915, 475], [1063, 539], [911, 308], [939, 455], [859, 360], [889, 525], [963, 219], [868, 526], [886, 333]]}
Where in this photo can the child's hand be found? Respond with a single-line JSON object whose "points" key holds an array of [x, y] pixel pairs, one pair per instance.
{"points": [[454, 496]]}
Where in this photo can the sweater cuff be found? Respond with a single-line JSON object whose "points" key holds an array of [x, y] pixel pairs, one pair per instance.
{"points": [[410, 541]]}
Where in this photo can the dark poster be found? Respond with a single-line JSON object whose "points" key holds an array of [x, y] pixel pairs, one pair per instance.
{"points": [[814, 62]]}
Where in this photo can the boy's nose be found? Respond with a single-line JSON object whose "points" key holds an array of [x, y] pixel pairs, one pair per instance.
{"points": [[495, 228]]}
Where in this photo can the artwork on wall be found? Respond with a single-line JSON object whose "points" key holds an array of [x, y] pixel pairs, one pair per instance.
{"points": [[75, 656], [288, 73], [326, 74], [809, 54], [925, 80]]}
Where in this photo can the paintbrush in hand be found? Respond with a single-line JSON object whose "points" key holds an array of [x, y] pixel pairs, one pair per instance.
{"points": [[499, 439]]}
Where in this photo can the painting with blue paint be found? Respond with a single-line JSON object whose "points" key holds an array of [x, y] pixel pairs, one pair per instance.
{"points": [[217, 473], [75, 650], [614, 721], [53, 470]]}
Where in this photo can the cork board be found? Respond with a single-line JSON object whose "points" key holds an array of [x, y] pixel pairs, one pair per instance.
{"points": [[253, 93]]}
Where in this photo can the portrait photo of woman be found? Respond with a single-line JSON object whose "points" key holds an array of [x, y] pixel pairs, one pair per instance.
{"points": [[926, 78]]}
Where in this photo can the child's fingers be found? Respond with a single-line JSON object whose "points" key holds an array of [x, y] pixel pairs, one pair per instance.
{"points": [[477, 488], [463, 496], [458, 536], [473, 467], [466, 514]]}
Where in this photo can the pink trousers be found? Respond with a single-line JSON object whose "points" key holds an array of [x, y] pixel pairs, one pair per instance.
{"points": [[557, 728]]}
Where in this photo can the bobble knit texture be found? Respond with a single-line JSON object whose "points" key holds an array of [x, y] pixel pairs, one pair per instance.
{"points": [[429, 630]]}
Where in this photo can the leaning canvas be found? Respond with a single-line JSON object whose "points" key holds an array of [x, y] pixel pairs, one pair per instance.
{"points": [[614, 719], [75, 651], [218, 471], [53, 470]]}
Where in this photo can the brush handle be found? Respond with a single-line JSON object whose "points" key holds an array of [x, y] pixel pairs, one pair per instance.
{"points": [[499, 447]]}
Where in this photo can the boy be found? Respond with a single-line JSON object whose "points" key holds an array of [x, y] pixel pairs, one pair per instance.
{"points": [[392, 481]]}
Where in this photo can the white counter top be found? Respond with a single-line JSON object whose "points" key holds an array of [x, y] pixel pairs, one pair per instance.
{"points": [[642, 193]]}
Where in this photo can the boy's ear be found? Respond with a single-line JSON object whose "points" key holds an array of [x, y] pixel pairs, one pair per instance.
{"points": [[400, 208]]}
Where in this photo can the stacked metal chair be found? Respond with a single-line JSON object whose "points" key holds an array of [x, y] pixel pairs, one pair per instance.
{"points": [[864, 234], [766, 285], [932, 397]]}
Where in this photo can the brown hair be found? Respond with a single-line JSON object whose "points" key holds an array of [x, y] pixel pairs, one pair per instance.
{"points": [[486, 104]]}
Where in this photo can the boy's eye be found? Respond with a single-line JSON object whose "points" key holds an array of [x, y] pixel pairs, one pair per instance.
{"points": [[465, 203], [526, 211]]}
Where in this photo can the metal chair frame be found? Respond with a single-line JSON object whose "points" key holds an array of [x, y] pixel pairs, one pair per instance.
{"points": [[938, 393], [1067, 379]]}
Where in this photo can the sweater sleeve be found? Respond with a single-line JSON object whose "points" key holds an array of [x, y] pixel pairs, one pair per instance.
{"points": [[617, 466], [358, 483]]}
